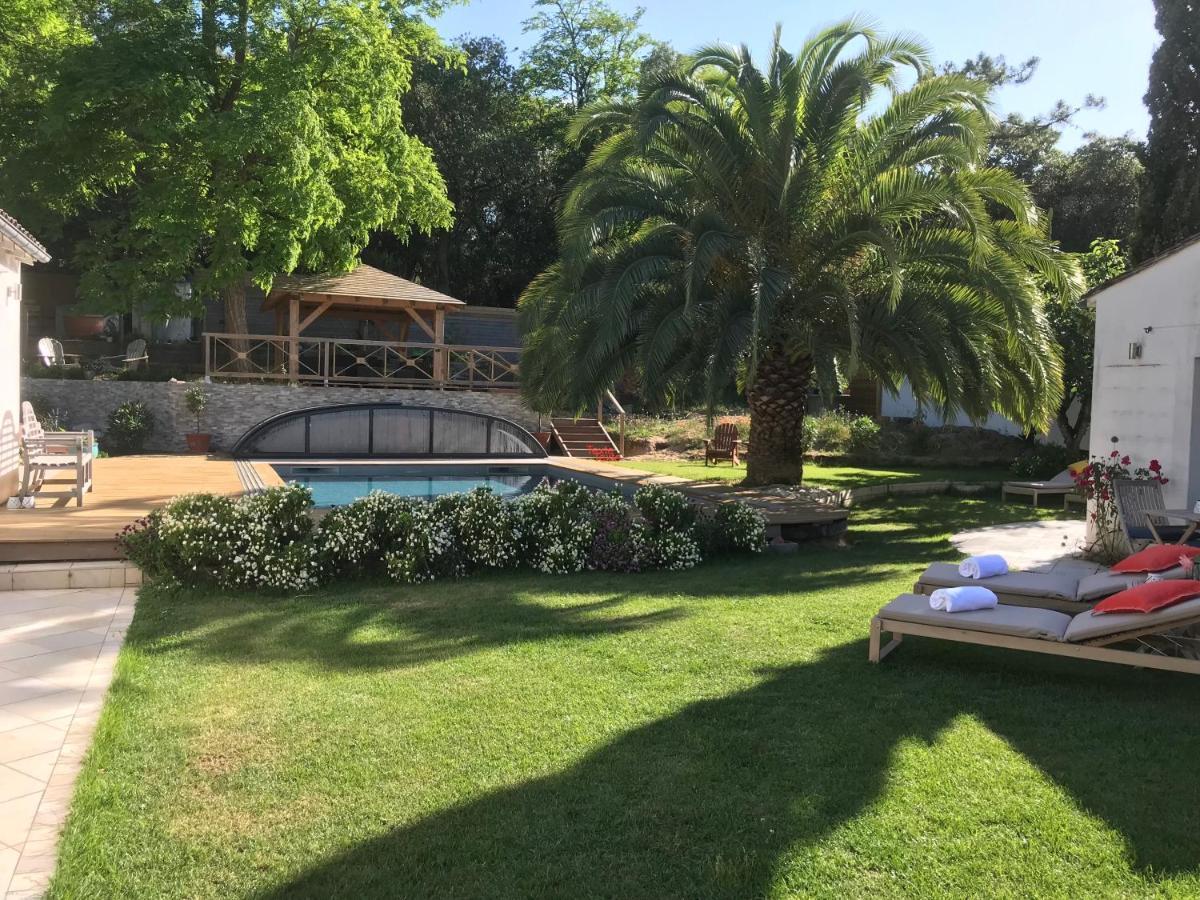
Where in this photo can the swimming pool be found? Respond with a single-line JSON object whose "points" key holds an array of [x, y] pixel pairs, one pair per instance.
{"points": [[336, 484]]}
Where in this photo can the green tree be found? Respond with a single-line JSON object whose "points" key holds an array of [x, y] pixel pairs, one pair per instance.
{"points": [[585, 50], [228, 140], [1171, 204], [778, 226], [1091, 192], [503, 155], [1074, 325]]}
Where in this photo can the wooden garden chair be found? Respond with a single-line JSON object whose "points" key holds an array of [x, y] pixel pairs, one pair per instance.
{"points": [[50, 352], [724, 444], [1142, 512], [60, 453], [135, 354]]}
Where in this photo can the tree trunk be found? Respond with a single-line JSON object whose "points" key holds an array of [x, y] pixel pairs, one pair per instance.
{"points": [[1072, 433], [234, 297], [778, 403]]}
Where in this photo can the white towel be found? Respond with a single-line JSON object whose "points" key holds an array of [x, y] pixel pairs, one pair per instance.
{"points": [[983, 566], [962, 599]]}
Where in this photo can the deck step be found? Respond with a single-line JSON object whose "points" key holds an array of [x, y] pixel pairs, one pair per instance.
{"points": [[577, 437]]}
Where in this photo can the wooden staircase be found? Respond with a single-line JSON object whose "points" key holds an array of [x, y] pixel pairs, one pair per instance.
{"points": [[575, 436]]}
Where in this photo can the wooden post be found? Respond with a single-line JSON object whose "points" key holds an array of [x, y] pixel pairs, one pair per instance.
{"points": [[441, 361], [275, 358], [294, 344]]}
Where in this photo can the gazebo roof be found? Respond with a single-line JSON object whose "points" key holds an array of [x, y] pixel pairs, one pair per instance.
{"points": [[364, 286]]}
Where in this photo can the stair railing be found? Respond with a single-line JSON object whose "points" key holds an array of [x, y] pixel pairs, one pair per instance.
{"points": [[620, 411]]}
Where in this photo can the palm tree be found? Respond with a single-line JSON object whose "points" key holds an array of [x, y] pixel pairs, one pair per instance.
{"points": [[785, 228]]}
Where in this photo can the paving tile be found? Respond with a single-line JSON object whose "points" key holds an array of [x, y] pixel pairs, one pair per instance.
{"points": [[24, 687], [94, 578], [28, 741], [10, 720], [7, 675], [31, 883], [36, 864], [47, 707], [14, 784], [8, 866], [40, 580], [39, 766], [67, 640], [11, 649], [16, 817]]}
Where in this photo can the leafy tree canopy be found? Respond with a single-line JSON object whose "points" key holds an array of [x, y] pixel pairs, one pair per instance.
{"points": [[585, 50], [226, 139], [504, 157], [1171, 207]]}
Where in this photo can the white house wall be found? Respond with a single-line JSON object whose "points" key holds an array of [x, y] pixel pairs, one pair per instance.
{"points": [[1149, 403], [10, 369]]}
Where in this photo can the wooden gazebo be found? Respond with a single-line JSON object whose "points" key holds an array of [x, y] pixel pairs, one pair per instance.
{"points": [[391, 303]]}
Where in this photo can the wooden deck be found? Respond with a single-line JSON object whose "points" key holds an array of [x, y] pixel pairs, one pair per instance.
{"points": [[790, 516], [125, 489]]}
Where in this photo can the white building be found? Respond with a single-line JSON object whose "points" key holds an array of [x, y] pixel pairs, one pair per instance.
{"points": [[1146, 381], [17, 248]]}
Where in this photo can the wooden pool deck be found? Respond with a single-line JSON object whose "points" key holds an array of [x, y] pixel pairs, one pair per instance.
{"points": [[125, 489], [790, 516]]}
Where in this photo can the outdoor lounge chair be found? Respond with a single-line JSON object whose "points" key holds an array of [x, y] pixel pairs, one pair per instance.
{"points": [[50, 352], [133, 357], [1087, 635], [1062, 484], [723, 445], [1142, 512], [58, 452], [1045, 590]]}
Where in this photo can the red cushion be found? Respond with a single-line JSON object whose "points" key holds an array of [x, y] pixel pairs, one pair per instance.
{"points": [[1155, 558], [1148, 597]]}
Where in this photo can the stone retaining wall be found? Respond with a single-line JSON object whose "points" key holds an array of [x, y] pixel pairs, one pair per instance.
{"points": [[235, 408]]}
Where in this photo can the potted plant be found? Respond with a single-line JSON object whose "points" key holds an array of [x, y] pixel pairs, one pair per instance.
{"points": [[196, 402]]}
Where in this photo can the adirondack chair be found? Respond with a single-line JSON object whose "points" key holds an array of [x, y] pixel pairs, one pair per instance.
{"points": [[134, 355], [60, 452], [724, 444], [50, 352]]}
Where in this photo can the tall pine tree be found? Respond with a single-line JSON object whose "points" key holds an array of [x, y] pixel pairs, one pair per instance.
{"points": [[1171, 202]]}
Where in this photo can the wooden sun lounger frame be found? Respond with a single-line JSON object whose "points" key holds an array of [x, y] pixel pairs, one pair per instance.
{"points": [[1070, 607], [1097, 649]]}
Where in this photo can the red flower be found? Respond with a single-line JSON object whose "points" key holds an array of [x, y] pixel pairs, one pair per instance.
{"points": [[1155, 465], [1125, 460], [1114, 454]]}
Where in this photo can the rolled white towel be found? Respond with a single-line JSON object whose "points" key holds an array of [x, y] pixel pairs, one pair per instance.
{"points": [[962, 599], [983, 566]]}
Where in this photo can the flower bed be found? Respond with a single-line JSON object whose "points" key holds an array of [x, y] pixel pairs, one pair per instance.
{"points": [[269, 541]]}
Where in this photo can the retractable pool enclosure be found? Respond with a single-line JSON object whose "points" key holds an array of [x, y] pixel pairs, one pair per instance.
{"points": [[386, 431]]}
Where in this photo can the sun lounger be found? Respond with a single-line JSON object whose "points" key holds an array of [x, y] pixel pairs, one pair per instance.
{"points": [[1087, 635], [1047, 590], [1061, 485]]}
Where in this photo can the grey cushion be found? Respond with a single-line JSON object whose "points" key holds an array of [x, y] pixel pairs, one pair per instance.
{"points": [[1017, 584], [1016, 621], [1090, 624], [1105, 584]]}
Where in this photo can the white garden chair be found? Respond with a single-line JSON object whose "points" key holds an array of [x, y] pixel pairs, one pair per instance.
{"points": [[59, 452]]}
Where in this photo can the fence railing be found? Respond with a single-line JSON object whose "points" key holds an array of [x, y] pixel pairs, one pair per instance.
{"points": [[335, 361]]}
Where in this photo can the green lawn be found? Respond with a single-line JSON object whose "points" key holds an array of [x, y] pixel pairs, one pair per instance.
{"points": [[715, 733], [819, 475]]}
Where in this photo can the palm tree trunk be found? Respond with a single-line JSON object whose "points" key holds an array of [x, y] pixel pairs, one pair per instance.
{"points": [[778, 403]]}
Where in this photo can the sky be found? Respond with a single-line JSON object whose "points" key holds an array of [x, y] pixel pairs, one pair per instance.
{"points": [[1100, 47]]}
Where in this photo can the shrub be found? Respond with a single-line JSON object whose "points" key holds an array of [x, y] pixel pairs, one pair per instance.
{"points": [[733, 528], [268, 541], [128, 427], [864, 434], [1041, 461], [618, 544], [196, 401], [835, 431], [556, 527]]}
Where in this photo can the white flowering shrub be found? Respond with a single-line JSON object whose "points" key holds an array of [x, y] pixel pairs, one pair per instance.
{"points": [[483, 527], [426, 550], [556, 527], [268, 541], [666, 509], [733, 528], [356, 538]]}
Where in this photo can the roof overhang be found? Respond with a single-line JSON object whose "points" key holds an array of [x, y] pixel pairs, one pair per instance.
{"points": [[21, 242]]}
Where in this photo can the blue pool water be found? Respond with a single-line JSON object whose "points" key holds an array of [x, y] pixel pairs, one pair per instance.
{"points": [[336, 485]]}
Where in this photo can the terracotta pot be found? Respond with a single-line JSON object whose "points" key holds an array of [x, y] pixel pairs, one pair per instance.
{"points": [[198, 443], [84, 326], [543, 437]]}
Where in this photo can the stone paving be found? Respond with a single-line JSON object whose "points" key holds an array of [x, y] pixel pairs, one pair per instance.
{"points": [[57, 652], [1043, 546]]}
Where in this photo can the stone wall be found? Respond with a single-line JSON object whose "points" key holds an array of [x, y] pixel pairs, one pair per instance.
{"points": [[234, 408]]}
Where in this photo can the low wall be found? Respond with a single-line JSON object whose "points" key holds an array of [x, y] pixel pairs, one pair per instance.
{"points": [[234, 408]]}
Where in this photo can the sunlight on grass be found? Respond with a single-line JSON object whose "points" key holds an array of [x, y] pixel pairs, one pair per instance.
{"points": [[816, 474], [716, 733]]}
